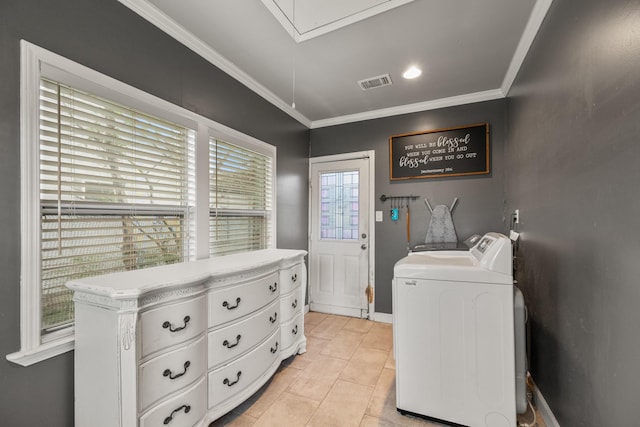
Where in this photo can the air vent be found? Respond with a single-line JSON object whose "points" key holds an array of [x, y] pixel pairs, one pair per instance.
{"points": [[374, 82]]}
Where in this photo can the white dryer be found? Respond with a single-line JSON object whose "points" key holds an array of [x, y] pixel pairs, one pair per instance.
{"points": [[453, 329]]}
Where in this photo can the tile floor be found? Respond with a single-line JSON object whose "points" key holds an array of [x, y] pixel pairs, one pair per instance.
{"points": [[346, 378]]}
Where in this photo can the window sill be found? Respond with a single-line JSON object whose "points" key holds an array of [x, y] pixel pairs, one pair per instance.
{"points": [[43, 351]]}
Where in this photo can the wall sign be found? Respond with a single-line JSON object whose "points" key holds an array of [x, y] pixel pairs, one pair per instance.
{"points": [[436, 153]]}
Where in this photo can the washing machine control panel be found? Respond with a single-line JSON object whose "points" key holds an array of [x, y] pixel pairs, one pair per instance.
{"points": [[493, 252], [484, 243]]}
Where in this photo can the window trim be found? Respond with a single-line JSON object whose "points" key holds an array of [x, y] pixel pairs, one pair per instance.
{"points": [[37, 62]]}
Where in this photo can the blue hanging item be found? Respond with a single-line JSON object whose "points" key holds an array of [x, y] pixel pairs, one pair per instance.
{"points": [[395, 212], [396, 203]]}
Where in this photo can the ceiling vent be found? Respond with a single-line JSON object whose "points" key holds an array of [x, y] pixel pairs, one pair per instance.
{"points": [[374, 82]]}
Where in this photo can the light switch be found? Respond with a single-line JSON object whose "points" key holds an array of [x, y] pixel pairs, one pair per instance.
{"points": [[378, 216]]}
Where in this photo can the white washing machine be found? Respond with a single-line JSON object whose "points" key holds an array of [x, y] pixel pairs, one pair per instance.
{"points": [[453, 329]]}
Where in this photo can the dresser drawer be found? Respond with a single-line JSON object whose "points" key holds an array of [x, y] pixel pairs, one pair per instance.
{"points": [[292, 331], [290, 278], [232, 303], [170, 372], [172, 324], [229, 380], [231, 341], [291, 304], [184, 410]]}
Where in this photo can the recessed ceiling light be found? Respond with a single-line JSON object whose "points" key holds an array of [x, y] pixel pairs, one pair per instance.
{"points": [[412, 72]]}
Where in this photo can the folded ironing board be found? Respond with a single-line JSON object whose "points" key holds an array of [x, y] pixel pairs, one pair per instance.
{"points": [[441, 233], [441, 228]]}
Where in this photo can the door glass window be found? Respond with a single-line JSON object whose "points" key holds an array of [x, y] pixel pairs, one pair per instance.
{"points": [[339, 205]]}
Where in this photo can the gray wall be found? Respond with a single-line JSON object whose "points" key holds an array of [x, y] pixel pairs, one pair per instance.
{"points": [[481, 197], [109, 38], [571, 154], [573, 169]]}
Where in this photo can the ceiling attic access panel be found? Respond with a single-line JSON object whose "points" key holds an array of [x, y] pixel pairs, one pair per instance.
{"points": [[306, 19]]}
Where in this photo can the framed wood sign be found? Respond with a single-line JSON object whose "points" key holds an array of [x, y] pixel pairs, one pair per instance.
{"points": [[437, 153]]}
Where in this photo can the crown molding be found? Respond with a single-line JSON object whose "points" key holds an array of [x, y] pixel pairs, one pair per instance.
{"points": [[469, 98], [170, 27], [538, 14]]}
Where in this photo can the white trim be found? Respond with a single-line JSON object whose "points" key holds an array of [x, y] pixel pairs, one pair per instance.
{"points": [[273, 242], [37, 62], [383, 317], [469, 98], [29, 202], [170, 27], [43, 351], [69, 72], [538, 14], [372, 226], [543, 408], [334, 309], [339, 157]]}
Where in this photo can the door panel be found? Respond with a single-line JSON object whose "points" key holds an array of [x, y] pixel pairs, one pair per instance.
{"points": [[325, 275]]}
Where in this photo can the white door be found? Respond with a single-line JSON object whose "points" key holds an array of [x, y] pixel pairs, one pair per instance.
{"points": [[339, 253]]}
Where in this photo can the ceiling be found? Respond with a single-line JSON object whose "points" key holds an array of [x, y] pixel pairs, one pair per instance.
{"points": [[312, 53]]}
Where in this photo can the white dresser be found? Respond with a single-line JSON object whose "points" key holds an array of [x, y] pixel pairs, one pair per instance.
{"points": [[183, 344]]}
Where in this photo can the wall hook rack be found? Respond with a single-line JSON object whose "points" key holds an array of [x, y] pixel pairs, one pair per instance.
{"points": [[401, 201], [384, 198]]}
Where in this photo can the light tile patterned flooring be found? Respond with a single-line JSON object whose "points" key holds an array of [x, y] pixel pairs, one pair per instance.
{"points": [[346, 378]]}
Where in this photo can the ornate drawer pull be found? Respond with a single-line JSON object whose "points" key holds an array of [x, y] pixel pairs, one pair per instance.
{"points": [[186, 408], [168, 373], [168, 324], [294, 278], [228, 307], [273, 287], [226, 343], [274, 349], [273, 318], [294, 331], [294, 304], [229, 383]]}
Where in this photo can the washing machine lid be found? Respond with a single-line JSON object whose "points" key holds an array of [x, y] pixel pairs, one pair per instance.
{"points": [[489, 261]]}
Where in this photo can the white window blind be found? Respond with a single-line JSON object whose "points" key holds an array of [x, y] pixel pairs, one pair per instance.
{"points": [[240, 199], [116, 189]]}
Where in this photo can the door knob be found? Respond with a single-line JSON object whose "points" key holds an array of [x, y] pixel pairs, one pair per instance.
{"points": [[364, 246]]}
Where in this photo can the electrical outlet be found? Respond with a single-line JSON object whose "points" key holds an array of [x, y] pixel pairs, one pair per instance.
{"points": [[516, 217]]}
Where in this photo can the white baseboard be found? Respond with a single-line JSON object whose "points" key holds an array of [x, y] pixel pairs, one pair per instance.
{"points": [[543, 408], [376, 317], [334, 309], [382, 317]]}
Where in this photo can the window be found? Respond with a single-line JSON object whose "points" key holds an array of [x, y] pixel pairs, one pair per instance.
{"points": [[110, 183], [114, 193], [339, 204], [239, 199]]}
